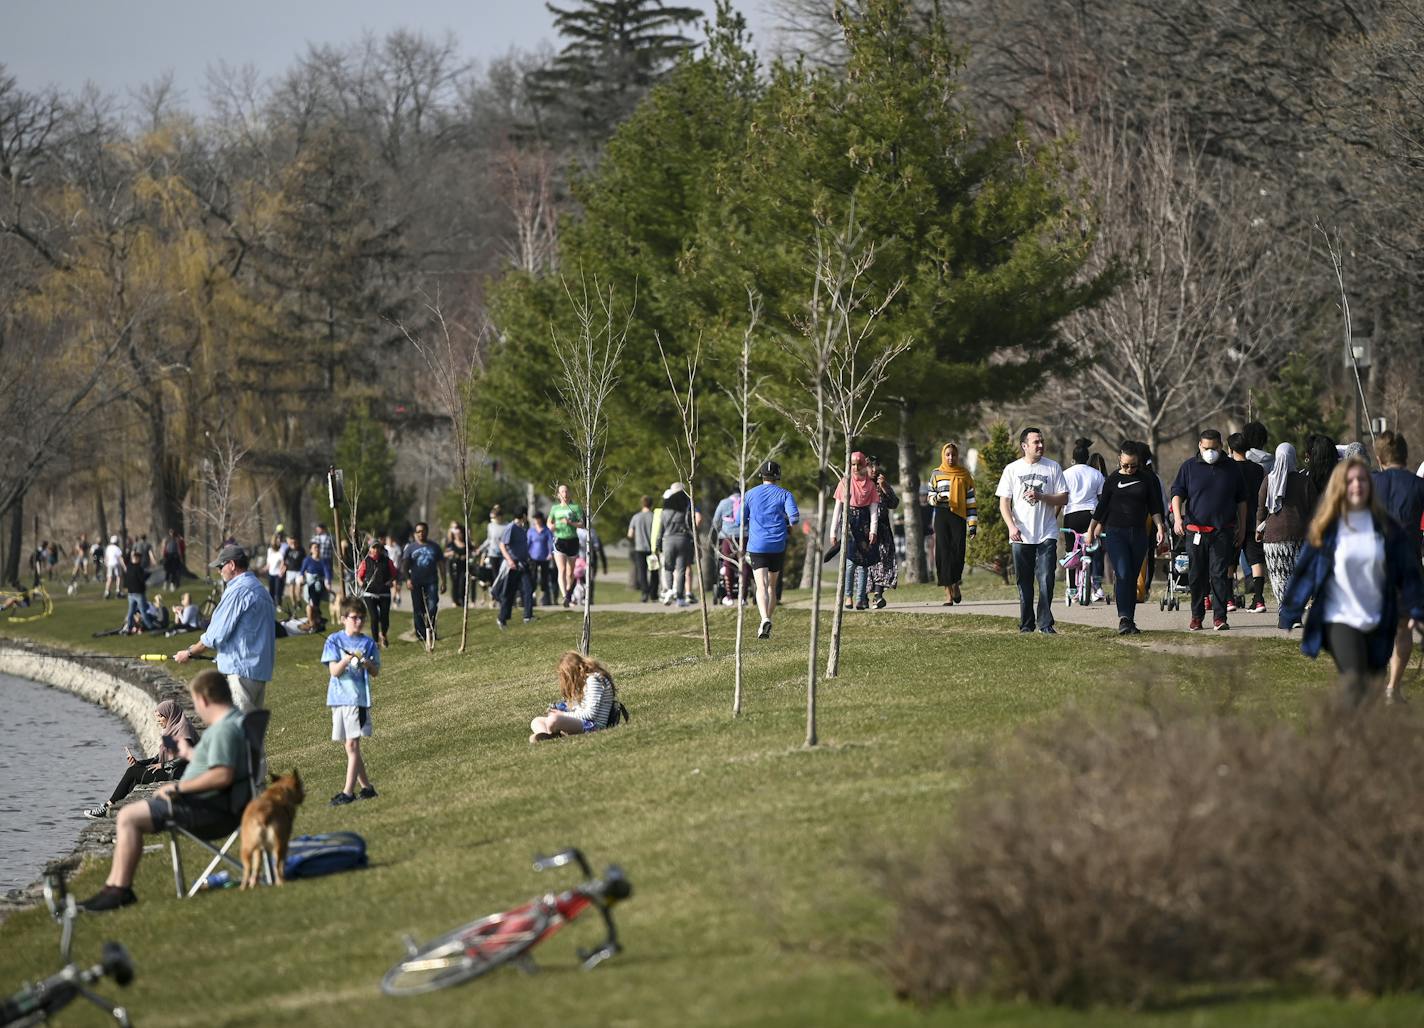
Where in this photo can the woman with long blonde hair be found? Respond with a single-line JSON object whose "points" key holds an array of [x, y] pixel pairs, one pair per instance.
{"points": [[1355, 570], [588, 698]]}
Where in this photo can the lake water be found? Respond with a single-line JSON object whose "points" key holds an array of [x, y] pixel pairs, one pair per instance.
{"points": [[60, 755]]}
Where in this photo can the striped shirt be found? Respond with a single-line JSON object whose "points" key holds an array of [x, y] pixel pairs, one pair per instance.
{"points": [[597, 702]]}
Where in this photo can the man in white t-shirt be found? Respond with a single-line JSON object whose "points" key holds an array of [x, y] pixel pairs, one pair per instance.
{"points": [[113, 567], [1031, 490]]}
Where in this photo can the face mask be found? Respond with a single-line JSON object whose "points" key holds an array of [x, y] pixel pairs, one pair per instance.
{"points": [[1211, 456]]}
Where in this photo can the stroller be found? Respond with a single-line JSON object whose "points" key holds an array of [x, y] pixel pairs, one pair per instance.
{"points": [[1078, 558], [1177, 565]]}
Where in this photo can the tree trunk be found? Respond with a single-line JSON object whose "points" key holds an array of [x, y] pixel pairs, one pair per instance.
{"points": [[697, 563], [17, 542], [809, 561], [841, 532], [291, 491], [165, 487], [101, 515], [814, 549], [586, 636], [917, 569], [123, 512]]}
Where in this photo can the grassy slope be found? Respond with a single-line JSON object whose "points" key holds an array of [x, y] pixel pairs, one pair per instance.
{"points": [[749, 855]]}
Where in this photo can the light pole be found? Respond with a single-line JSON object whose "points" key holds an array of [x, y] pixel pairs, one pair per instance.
{"points": [[1359, 356]]}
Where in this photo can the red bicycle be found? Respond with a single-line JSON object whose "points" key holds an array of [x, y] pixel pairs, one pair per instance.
{"points": [[491, 942]]}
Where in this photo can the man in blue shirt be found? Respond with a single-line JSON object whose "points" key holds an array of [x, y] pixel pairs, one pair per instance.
{"points": [[514, 547], [1209, 508], [423, 564], [1401, 494], [767, 511], [243, 631]]}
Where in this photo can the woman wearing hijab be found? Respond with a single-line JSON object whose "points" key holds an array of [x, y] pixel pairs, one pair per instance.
{"points": [[1358, 571], [956, 517], [164, 766], [885, 570], [1283, 507], [864, 500]]}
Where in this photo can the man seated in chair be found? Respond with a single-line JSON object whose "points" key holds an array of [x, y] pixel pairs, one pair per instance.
{"points": [[207, 801]]}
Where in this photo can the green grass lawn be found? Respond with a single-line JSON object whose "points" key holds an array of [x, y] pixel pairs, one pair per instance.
{"points": [[749, 855]]}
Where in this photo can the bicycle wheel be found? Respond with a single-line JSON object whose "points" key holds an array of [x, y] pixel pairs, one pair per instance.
{"points": [[467, 952]]}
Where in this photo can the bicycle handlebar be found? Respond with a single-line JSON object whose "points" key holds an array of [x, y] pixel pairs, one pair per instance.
{"points": [[568, 856], [56, 991]]}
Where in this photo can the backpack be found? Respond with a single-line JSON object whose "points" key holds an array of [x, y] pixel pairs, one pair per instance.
{"points": [[617, 713]]}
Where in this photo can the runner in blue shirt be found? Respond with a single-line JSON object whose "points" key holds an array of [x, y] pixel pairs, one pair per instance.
{"points": [[767, 511]]}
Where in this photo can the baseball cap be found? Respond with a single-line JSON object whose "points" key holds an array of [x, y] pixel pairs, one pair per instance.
{"points": [[770, 469], [228, 553]]}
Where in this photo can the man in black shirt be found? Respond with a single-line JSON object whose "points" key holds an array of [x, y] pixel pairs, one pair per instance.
{"points": [[1253, 553], [1209, 508]]}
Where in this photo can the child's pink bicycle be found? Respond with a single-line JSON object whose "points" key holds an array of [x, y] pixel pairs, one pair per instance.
{"points": [[1079, 559], [491, 942]]}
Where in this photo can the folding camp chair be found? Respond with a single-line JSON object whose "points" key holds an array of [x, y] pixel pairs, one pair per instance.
{"points": [[254, 728]]}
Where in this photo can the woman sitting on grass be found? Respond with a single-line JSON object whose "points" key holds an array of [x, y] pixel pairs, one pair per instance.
{"points": [[588, 697], [164, 766]]}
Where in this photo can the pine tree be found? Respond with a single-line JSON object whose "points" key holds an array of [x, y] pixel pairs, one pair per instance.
{"points": [[990, 546], [616, 51]]}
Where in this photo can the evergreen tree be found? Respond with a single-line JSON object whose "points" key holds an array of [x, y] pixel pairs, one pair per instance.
{"points": [[616, 51], [369, 465], [990, 546], [1290, 407]]}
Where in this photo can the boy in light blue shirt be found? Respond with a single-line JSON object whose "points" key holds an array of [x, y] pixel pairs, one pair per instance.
{"points": [[353, 660]]}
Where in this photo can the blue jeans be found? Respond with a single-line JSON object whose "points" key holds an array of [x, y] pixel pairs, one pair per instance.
{"points": [[424, 602], [857, 582], [1127, 549], [133, 617], [1035, 562]]}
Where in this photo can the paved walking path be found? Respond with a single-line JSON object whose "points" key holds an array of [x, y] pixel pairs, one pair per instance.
{"points": [[1149, 617]]}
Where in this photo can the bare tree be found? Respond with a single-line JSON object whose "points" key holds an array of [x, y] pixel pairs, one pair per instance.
{"points": [[588, 373], [742, 397], [837, 322], [219, 479], [855, 374], [528, 178], [1204, 299], [684, 460], [454, 359]]}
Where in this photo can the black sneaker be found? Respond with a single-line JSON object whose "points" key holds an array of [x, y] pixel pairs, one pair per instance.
{"points": [[368, 793], [110, 897], [1124, 626], [1132, 628], [342, 798], [764, 632], [1048, 631], [97, 813], [879, 603]]}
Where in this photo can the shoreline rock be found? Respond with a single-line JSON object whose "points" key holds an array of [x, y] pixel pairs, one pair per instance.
{"points": [[129, 688]]}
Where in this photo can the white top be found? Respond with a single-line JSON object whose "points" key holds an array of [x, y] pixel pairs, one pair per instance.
{"points": [[113, 556], [1355, 593], [276, 560], [1085, 482], [1038, 522], [597, 701]]}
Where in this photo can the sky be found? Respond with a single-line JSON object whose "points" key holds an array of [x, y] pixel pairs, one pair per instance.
{"points": [[121, 44]]}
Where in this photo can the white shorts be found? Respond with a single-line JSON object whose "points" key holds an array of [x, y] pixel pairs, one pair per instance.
{"points": [[346, 723], [293, 577]]}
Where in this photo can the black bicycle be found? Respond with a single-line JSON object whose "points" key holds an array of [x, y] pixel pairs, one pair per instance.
{"points": [[36, 1003]]}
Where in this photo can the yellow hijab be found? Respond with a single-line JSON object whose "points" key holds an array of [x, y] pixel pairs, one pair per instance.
{"points": [[958, 479]]}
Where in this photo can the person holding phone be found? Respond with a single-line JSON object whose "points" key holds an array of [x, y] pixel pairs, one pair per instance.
{"points": [[164, 766]]}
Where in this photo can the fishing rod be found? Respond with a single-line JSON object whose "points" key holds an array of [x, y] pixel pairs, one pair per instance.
{"points": [[153, 658]]}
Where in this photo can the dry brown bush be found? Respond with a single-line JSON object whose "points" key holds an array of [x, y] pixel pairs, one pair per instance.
{"points": [[1115, 859]]}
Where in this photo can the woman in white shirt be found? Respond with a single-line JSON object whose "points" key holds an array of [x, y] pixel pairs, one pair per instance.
{"points": [[1356, 570], [1085, 485]]}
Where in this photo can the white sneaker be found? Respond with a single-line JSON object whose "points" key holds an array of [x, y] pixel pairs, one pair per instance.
{"points": [[727, 601], [667, 599], [1099, 596], [97, 813]]}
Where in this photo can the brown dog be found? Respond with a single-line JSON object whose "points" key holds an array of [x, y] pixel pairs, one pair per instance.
{"points": [[267, 826]]}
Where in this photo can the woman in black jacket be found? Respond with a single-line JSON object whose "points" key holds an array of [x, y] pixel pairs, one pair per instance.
{"points": [[884, 569]]}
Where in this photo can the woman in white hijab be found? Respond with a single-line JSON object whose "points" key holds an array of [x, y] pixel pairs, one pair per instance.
{"points": [[1283, 510]]}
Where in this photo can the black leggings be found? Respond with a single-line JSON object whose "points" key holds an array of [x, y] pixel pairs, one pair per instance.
{"points": [[1349, 647], [144, 771], [378, 609]]}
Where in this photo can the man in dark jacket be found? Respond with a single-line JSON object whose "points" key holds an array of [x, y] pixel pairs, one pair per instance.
{"points": [[1209, 508], [1401, 494]]}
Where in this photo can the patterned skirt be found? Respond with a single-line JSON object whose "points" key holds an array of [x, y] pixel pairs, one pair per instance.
{"points": [[884, 571], [1280, 562]]}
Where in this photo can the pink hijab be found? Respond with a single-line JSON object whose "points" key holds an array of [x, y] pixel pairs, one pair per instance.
{"points": [[175, 723], [862, 487]]}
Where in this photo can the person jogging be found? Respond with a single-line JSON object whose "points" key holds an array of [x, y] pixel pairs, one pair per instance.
{"points": [[766, 515]]}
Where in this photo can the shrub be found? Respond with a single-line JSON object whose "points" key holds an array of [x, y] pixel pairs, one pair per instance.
{"points": [[990, 546], [1116, 860]]}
